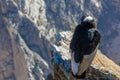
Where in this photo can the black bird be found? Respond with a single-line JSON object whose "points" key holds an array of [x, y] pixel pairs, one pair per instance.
{"points": [[85, 41]]}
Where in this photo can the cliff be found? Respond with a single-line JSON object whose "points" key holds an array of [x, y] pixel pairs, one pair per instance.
{"points": [[102, 68]]}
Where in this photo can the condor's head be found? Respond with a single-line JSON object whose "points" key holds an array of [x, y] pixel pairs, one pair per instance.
{"points": [[88, 21]]}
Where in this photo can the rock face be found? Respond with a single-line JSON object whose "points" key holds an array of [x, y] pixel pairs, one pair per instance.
{"points": [[102, 68], [28, 27], [22, 46]]}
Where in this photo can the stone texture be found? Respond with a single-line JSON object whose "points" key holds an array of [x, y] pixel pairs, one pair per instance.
{"points": [[102, 68]]}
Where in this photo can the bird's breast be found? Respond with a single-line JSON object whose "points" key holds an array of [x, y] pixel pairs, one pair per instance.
{"points": [[91, 33]]}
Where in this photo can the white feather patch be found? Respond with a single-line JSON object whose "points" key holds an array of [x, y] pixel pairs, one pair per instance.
{"points": [[88, 19], [74, 65]]}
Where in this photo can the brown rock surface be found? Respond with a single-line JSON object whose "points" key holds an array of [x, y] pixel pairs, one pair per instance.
{"points": [[105, 66], [102, 68]]}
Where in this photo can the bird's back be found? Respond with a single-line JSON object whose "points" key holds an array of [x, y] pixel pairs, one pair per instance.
{"points": [[86, 43], [85, 36]]}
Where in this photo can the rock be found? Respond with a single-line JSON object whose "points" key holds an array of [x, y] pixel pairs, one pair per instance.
{"points": [[102, 68]]}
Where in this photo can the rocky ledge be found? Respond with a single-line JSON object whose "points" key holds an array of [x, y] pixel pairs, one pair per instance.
{"points": [[102, 68]]}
